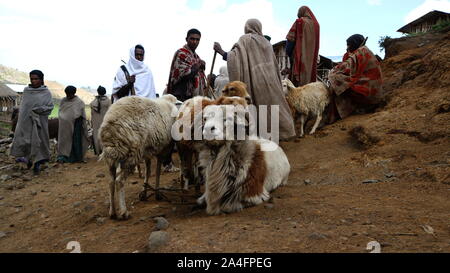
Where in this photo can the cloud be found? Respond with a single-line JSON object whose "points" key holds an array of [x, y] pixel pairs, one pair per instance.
{"points": [[427, 6], [374, 2], [83, 42]]}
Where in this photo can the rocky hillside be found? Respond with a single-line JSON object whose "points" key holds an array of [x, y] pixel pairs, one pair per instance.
{"points": [[11, 75]]}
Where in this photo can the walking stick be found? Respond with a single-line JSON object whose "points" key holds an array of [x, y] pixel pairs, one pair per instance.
{"points": [[133, 91], [210, 89]]}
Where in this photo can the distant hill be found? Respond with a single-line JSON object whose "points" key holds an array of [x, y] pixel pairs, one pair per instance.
{"points": [[11, 75]]}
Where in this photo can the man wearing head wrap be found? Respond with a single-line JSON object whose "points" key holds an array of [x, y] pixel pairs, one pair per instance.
{"points": [[356, 82], [221, 81], [73, 138], [187, 72], [31, 142], [252, 61], [99, 107], [302, 46], [137, 76]]}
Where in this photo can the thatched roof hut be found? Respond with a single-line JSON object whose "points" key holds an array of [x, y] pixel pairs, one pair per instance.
{"points": [[7, 98]]}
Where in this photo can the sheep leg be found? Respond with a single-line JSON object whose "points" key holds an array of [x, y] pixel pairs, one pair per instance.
{"points": [[120, 190], [158, 174], [187, 166], [148, 170], [302, 125], [318, 120], [139, 170], [112, 201]]}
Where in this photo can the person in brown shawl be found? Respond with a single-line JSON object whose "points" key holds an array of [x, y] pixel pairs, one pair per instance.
{"points": [[73, 135], [187, 73], [302, 46], [99, 107], [356, 82], [31, 143], [252, 61]]}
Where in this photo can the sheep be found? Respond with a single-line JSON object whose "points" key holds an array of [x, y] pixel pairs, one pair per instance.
{"points": [[311, 99], [135, 129], [237, 89], [238, 173], [189, 171]]}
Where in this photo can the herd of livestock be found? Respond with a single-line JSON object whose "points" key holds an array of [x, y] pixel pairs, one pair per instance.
{"points": [[236, 172]]}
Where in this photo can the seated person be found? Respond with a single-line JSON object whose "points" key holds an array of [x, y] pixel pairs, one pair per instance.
{"points": [[356, 82]]}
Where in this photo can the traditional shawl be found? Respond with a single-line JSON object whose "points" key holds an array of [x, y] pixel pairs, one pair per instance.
{"points": [[360, 71], [181, 67], [252, 61], [144, 84], [221, 81], [69, 111], [99, 107], [306, 34], [31, 135]]}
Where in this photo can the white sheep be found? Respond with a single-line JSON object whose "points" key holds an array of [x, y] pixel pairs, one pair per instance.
{"points": [[135, 129], [238, 173], [310, 99]]}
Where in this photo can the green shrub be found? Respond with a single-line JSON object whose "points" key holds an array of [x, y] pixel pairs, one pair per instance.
{"points": [[441, 25], [383, 42]]}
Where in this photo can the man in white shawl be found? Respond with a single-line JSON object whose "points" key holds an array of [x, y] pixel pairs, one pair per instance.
{"points": [[221, 81], [134, 78], [73, 141], [31, 142], [252, 61]]}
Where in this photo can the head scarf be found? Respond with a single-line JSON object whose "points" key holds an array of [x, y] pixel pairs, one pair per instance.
{"points": [[223, 71], [101, 90], [39, 74], [356, 41], [144, 85], [304, 11], [253, 26], [70, 90], [135, 66]]}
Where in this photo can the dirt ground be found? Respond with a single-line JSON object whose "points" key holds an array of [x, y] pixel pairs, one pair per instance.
{"points": [[389, 183]]}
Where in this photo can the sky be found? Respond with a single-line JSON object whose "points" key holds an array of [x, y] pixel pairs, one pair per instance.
{"points": [[82, 42]]}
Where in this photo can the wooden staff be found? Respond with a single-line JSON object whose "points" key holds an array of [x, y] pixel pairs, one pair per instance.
{"points": [[133, 91], [210, 89]]}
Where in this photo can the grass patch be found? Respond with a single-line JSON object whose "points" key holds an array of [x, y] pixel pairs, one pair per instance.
{"points": [[5, 125], [55, 111]]}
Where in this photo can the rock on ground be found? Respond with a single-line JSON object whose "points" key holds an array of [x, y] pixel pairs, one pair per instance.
{"points": [[156, 240]]}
